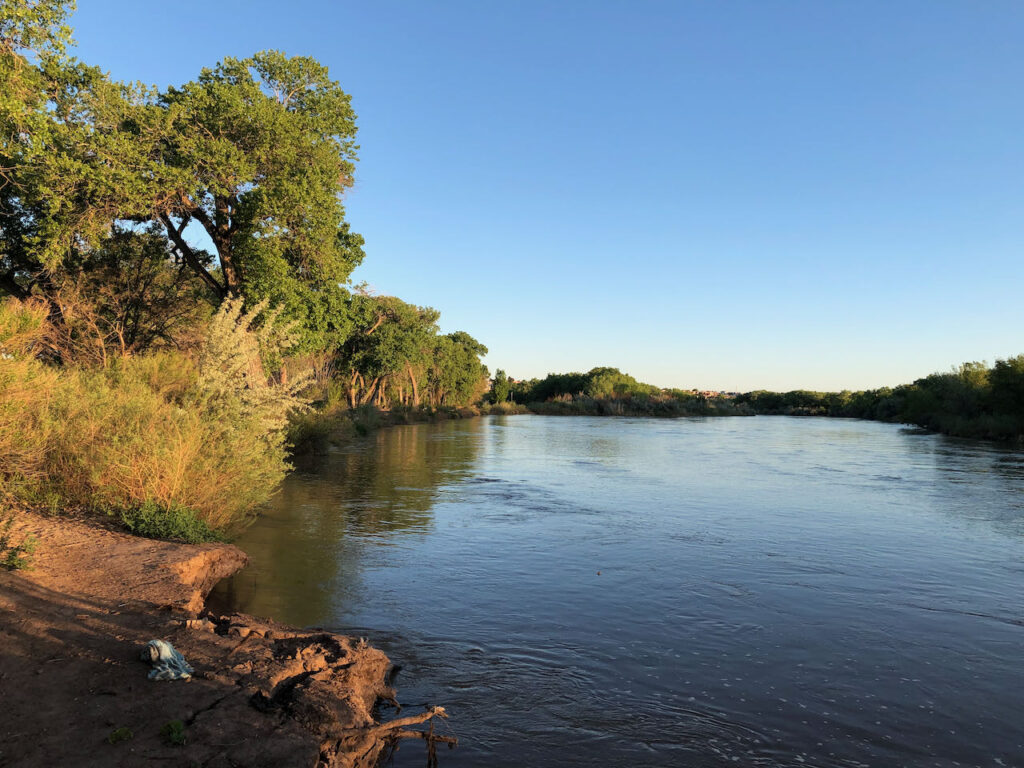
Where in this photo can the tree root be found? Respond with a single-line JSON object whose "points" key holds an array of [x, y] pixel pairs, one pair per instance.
{"points": [[431, 738], [362, 747]]}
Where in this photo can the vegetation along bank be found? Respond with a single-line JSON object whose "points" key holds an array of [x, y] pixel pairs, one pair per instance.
{"points": [[972, 400], [177, 316]]}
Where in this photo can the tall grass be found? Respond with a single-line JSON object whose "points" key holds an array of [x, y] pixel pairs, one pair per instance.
{"points": [[160, 432]]}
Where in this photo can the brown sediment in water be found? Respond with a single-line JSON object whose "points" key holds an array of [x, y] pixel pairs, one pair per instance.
{"points": [[72, 682]]}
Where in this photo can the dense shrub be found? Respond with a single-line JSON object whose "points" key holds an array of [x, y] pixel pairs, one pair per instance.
{"points": [[159, 522], [505, 409], [158, 432]]}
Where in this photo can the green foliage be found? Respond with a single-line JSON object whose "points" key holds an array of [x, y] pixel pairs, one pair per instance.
{"points": [[120, 734], [506, 408], [598, 383], [33, 39], [76, 164], [660, 405], [261, 150], [611, 383], [310, 432], [239, 347], [257, 152], [501, 389], [366, 419], [456, 376], [34, 27], [395, 356], [157, 521], [123, 387], [972, 400], [392, 340], [129, 297], [607, 391], [1006, 380], [174, 733], [15, 557]]}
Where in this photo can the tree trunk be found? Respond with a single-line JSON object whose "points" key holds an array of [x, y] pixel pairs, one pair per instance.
{"points": [[352, 389], [415, 388], [221, 237], [370, 391]]}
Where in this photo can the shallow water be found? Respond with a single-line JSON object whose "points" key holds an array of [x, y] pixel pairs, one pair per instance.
{"points": [[763, 591]]}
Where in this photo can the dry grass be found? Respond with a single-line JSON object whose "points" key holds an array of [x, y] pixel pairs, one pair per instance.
{"points": [[160, 430]]}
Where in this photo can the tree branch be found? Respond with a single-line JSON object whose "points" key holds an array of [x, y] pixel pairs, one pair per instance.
{"points": [[402, 722], [376, 325], [189, 255]]}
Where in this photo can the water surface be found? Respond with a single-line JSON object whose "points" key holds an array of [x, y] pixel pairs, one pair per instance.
{"points": [[760, 591]]}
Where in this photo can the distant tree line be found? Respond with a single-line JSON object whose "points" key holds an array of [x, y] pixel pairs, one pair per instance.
{"points": [[605, 391], [972, 400]]}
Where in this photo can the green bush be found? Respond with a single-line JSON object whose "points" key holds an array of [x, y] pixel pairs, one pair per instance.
{"points": [[174, 733], [504, 408], [15, 557], [155, 521], [310, 432], [120, 734]]}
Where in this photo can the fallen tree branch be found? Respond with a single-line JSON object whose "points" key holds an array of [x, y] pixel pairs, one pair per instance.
{"points": [[361, 747], [402, 722]]}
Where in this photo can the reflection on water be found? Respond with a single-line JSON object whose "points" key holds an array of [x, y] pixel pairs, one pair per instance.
{"points": [[309, 547], [762, 591]]}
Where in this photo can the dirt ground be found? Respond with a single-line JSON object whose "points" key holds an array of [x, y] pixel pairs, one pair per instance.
{"points": [[75, 692]]}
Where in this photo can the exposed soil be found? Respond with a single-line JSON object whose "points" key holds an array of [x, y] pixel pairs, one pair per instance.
{"points": [[72, 682]]}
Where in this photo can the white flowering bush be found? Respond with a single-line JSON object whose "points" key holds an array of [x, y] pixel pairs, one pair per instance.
{"points": [[161, 431]]}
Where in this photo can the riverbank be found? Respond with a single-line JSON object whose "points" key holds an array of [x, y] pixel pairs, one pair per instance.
{"points": [[263, 694], [315, 430]]}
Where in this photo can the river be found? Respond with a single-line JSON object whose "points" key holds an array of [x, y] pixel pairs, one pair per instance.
{"points": [[764, 591]]}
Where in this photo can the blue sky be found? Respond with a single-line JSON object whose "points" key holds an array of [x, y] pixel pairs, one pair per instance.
{"points": [[726, 195]]}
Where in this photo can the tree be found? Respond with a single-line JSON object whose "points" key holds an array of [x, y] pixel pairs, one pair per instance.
{"points": [[74, 149], [128, 298], [33, 37], [1007, 381], [254, 154], [500, 388], [456, 375], [266, 146], [390, 340], [611, 382]]}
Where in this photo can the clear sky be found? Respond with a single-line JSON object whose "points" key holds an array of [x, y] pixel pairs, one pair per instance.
{"points": [[727, 195]]}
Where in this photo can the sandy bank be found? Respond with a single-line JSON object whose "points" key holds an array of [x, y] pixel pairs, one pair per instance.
{"points": [[262, 695]]}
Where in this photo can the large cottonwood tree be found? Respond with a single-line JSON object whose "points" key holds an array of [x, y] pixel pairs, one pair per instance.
{"points": [[265, 147], [243, 169]]}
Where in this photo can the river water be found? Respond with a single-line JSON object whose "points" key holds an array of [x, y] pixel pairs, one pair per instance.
{"points": [[764, 591]]}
